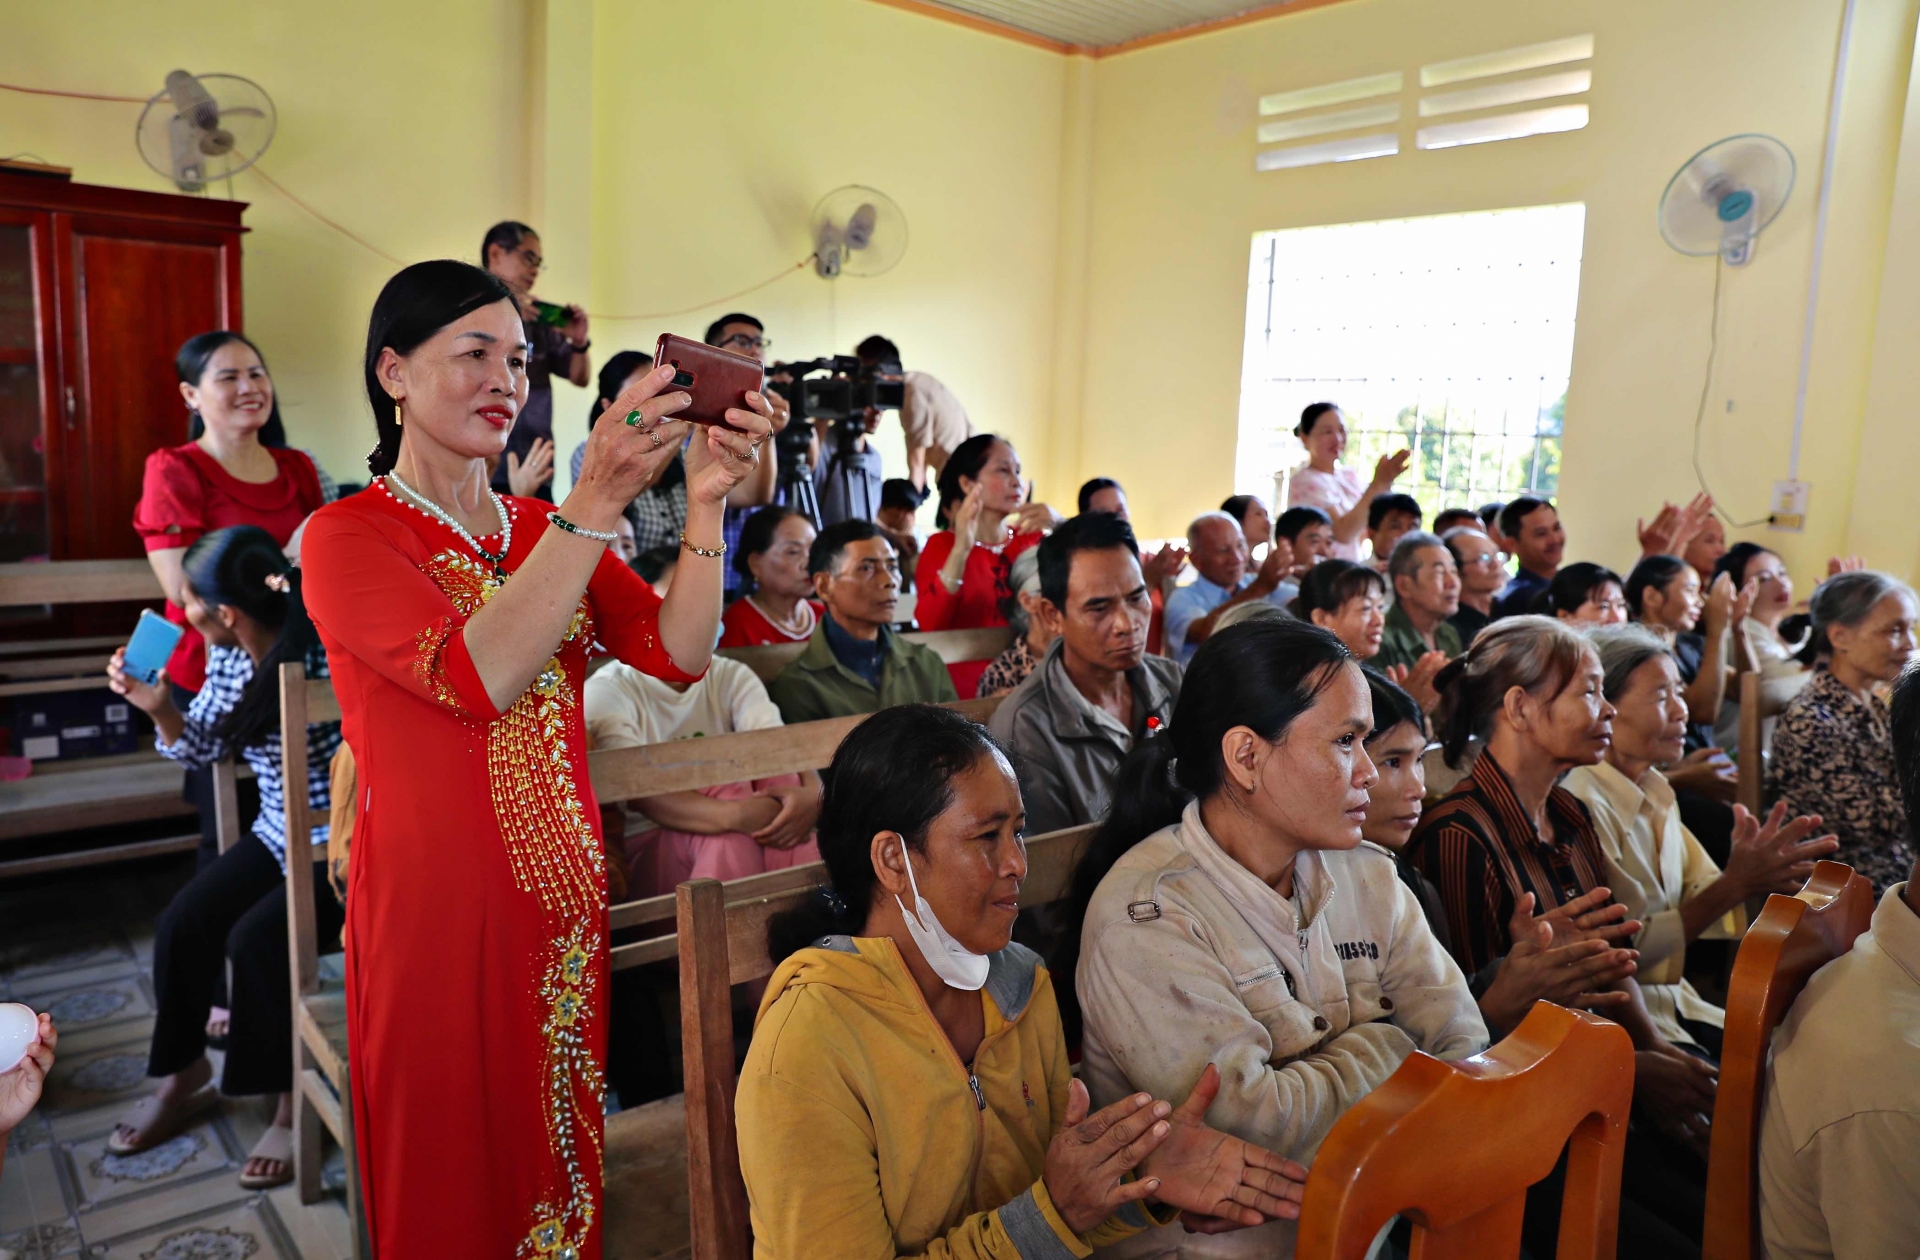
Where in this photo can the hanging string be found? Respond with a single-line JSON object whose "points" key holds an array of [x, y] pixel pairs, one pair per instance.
{"points": [[78, 96], [367, 245], [357, 239], [778, 276]]}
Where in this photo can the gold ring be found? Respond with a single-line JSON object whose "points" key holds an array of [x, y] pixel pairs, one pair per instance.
{"points": [[655, 435]]}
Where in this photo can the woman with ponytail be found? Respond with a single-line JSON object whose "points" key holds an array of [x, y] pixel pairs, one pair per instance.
{"points": [[1231, 917], [244, 599], [907, 1091], [458, 623]]}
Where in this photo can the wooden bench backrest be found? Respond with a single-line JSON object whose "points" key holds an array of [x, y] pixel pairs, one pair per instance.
{"points": [[78, 582], [954, 646], [1562, 1079], [723, 941], [301, 702], [1792, 938]]}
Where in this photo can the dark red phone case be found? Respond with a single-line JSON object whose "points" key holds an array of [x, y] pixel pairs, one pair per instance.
{"points": [[717, 379]]}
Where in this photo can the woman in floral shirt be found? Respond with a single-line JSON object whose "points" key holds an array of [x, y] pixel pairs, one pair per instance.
{"points": [[1032, 632], [1833, 748]]}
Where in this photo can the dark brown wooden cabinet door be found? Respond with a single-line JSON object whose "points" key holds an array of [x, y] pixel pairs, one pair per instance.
{"points": [[141, 290], [27, 351]]}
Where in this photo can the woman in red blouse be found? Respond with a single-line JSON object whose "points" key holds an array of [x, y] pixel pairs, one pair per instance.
{"points": [[985, 522], [773, 558], [225, 477], [457, 624]]}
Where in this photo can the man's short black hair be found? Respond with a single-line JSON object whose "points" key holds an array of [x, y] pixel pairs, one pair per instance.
{"points": [[1385, 505], [1095, 486], [1089, 531], [1290, 523], [654, 561], [1452, 517], [507, 234], [1905, 713], [1519, 510], [897, 493], [832, 542], [713, 329], [878, 349]]}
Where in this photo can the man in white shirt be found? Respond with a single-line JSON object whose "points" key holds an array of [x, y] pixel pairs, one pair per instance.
{"points": [[1840, 1142], [931, 417]]}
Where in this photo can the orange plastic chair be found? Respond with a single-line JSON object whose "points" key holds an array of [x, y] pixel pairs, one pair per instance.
{"points": [[1793, 938], [1454, 1146]]}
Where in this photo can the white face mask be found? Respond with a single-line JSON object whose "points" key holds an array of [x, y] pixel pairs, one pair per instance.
{"points": [[950, 960]]}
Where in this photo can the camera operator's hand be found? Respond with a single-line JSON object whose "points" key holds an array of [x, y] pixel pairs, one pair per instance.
{"points": [[576, 326]]}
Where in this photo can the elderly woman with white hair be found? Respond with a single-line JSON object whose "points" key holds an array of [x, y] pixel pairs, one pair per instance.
{"points": [[1833, 746], [1655, 866]]}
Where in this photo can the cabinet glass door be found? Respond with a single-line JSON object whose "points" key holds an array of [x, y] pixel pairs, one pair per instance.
{"points": [[23, 464]]}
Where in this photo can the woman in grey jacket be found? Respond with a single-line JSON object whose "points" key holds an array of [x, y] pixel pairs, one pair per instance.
{"points": [[1232, 915]]}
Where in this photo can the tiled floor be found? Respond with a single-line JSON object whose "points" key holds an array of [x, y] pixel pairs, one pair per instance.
{"points": [[81, 947]]}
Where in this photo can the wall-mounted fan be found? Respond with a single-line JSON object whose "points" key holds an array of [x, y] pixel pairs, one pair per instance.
{"points": [[1725, 196], [205, 128], [857, 231]]}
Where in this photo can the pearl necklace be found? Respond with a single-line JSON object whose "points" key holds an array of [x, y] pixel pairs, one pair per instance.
{"points": [[798, 626], [427, 507]]}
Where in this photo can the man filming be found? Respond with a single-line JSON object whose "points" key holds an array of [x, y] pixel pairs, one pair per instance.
{"points": [[931, 417], [743, 334], [846, 469]]}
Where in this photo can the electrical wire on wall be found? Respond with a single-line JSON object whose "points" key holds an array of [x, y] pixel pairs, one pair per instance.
{"points": [[1706, 387], [371, 248]]}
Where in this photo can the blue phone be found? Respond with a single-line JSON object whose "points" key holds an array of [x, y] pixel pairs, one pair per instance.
{"points": [[152, 643]]}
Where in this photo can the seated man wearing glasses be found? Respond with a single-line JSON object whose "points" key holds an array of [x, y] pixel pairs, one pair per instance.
{"points": [[743, 334], [855, 663]]}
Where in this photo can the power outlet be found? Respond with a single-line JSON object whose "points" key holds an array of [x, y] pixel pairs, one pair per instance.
{"points": [[1789, 510]]}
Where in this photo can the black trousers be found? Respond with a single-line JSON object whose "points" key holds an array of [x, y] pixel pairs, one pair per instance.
{"points": [[233, 910]]}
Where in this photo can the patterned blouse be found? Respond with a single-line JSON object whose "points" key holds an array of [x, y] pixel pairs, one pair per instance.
{"points": [[229, 670], [1833, 756], [1009, 669]]}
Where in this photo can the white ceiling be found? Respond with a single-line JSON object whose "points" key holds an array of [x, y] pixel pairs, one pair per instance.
{"points": [[1102, 23]]}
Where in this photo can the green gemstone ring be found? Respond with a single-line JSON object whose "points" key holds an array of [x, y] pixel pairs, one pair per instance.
{"points": [[634, 418]]}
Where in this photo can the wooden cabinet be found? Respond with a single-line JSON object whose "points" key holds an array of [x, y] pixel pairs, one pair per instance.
{"points": [[98, 288]]}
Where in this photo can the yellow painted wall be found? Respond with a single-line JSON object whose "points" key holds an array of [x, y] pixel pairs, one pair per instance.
{"points": [[716, 128], [1176, 200], [1079, 228], [405, 122]]}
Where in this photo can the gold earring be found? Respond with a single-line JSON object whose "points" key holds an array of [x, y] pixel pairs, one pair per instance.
{"points": [[399, 412]]}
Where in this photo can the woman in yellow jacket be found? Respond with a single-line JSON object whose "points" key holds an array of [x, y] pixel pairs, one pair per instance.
{"points": [[907, 1091]]}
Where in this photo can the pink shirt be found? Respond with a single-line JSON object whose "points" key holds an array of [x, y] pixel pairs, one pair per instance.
{"points": [[1334, 493]]}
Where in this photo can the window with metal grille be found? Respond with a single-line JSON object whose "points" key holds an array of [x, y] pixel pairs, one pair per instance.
{"points": [[1450, 334]]}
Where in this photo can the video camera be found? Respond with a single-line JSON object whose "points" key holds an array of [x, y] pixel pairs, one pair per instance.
{"points": [[845, 394]]}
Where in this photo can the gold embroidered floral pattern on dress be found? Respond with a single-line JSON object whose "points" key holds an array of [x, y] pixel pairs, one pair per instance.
{"points": [[574, 1098], [553, 854], [430, 664]]}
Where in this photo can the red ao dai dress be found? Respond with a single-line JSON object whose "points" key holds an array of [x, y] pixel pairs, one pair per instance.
{"points": [[476, 910]]}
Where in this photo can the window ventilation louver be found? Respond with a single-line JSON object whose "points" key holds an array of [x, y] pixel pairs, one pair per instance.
{"points": [[1476, 100]]}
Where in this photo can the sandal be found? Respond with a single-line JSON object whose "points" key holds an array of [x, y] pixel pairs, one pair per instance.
{"points": [[219, 1020], [153, 1125], [276, 1145]]}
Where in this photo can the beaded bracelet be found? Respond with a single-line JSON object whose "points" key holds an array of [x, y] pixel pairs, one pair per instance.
{"points": [[711, 553], [598, 535]]}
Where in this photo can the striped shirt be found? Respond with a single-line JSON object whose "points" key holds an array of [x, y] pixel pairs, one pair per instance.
{"points": [[229, 669], [1479, 848]]}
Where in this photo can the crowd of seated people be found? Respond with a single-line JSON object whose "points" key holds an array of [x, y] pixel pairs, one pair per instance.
{"points": [[1246, 715]]}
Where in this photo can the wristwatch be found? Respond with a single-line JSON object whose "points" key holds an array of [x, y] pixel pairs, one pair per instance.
{"points": [[583, 347]]}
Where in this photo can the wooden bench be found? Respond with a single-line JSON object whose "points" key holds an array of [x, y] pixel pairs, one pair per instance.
{"points": [[954, 647], [1562, 1079], [95, 792], [723, 942], [1792, 938]]}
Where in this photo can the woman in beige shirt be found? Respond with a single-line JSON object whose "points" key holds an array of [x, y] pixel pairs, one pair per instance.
{"points": [[1654, 865]]}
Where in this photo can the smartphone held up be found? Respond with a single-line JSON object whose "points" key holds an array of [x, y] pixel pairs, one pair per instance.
{"points": [[716, 379]]}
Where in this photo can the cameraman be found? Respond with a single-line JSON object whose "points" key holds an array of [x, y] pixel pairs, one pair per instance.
{"points": [[846, 468], [931, 417], [743, 334]]}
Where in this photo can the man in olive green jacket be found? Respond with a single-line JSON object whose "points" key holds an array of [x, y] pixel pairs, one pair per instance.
{"points": [[854, 663]]}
